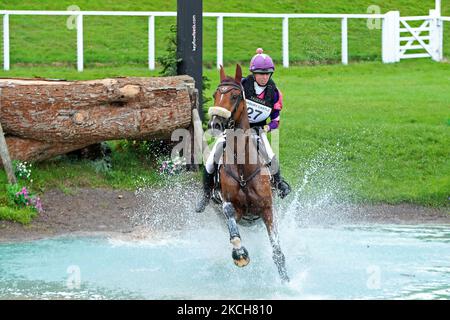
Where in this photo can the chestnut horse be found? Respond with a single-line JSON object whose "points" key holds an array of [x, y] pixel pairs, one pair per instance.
{"points": [[245, 186]]}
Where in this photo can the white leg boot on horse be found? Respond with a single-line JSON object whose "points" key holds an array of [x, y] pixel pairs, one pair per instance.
{"points": [[239, 254]]}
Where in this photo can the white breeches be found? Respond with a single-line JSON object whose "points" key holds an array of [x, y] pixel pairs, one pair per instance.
{"points": [[214, 158]]}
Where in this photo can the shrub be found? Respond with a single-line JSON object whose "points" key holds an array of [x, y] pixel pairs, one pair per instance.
{"points": [[20, 197]]}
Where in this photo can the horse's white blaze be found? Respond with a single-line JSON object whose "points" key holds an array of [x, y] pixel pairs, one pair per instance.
{"points": [[236, 242]]}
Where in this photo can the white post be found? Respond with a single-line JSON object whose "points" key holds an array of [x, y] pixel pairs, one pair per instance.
{"points": [[436, 35], [391, 37], [344, 51], [437, 7], [80, 42], [440, 31], [151, 42], [219, 41], [441, 38], [286, 42], [6, 42]]}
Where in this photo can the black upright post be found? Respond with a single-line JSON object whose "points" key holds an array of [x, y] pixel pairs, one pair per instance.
{"points": [[189, 41]]}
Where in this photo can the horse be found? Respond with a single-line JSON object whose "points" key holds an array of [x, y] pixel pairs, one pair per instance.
{"points": [[245, 189]]}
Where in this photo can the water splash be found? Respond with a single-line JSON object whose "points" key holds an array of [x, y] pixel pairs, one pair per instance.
{"points": [[327, 256], [170, 206], [323, 263], [322, 195]]}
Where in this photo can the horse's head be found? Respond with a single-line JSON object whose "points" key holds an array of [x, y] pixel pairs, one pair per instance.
{"points": [[229, 102]]}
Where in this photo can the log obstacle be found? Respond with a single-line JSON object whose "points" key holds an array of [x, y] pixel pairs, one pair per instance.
{"points": [[43, 118], [6, 160]]}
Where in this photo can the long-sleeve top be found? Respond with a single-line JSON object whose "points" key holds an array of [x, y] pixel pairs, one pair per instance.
{"points": [[275, 114]]}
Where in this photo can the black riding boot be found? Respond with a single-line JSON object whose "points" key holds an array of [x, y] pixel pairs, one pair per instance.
{"points": [[282, 186], [208, 184]]}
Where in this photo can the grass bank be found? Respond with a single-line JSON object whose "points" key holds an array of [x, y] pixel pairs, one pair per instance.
{"points": [[366, 132], [49, 40]]}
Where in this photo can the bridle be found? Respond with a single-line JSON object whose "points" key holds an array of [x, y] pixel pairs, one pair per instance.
{"points": [[224, 88]]}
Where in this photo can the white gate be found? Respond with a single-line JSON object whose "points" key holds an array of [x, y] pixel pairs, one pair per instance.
{"points": [[415, 38], [399, 37]]}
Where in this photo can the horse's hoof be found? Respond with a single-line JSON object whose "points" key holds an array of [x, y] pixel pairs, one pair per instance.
{"points": [[242, 262], [240, 257]]}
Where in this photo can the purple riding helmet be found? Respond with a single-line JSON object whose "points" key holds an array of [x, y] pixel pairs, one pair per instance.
{"points": [[261, 62]]}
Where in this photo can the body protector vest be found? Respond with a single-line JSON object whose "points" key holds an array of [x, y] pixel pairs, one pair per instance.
{"points": [[258, 109]]}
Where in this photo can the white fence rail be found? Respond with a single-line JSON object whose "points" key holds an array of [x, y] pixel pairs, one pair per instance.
{"points": [[220, 26]]}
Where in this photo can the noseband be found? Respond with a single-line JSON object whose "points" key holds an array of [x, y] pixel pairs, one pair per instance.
{"points": [[224, 88]]}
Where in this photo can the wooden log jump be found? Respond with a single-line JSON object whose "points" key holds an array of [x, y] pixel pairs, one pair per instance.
{"points": [[45, 118]]}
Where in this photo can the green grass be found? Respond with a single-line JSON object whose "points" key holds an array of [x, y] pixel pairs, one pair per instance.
{"points": [[375, 133], [23, 216], [123, 40]]}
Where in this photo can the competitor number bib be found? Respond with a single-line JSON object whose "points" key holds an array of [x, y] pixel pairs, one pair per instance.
{"points": [[256, 111]]}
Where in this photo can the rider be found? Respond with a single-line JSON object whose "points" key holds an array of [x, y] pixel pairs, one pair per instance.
{"points": [[264, 101]]}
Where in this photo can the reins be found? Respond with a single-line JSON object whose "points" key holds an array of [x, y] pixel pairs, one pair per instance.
{"points": [[231, 125]]}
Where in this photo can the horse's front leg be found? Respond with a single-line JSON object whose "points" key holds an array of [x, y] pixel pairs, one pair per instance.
{"points": [[277, 254], [239, 253]]}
